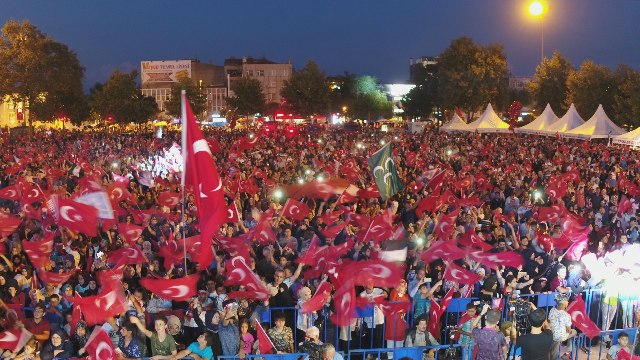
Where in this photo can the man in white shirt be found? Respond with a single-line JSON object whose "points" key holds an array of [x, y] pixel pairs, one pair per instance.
{"points": [[376, 324]]}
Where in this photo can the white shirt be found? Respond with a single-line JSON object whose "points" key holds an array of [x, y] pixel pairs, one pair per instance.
{"points": [[378, 315]]}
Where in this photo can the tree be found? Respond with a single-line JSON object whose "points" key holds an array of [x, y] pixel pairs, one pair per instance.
{"points": [[549, 84], [43, 74], [307, 91], [421, 101], [591, 85], [626, 105], [470, 75], [197, 99], [120, 99], [248, 98], [370, 102]]}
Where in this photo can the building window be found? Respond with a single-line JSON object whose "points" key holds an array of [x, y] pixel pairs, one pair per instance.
{"points": [[270, 97], [259, 72], [272, 84], [249, 73], [273, 73], [284, 72]]}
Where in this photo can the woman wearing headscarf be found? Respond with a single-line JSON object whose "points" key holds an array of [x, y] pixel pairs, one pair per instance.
{"points": [[57, 347]]}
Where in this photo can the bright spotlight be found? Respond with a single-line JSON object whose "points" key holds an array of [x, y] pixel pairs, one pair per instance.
{"points": [[536, 8], [382, 142], [449, 152], [251, 136], [320, 178], [307, 172], [278, 194], [300, 181], [114, 164]]}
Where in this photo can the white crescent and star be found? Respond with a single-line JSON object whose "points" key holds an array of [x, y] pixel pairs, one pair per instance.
{"points": [[8, 337], [65, 214], [102, 347], [176, 291]]}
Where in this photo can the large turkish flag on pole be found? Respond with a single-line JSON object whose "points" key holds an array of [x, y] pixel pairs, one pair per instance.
{"points": [[199, 172]]}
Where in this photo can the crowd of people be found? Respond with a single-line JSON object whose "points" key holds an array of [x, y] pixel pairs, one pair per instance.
{"points": [[567, 208]]}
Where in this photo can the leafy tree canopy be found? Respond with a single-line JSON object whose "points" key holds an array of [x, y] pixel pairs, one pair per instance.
{"points": [[41, 73], [307, 91]]}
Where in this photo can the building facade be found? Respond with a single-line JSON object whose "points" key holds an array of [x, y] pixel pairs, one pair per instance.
{"points": [[271, 75], [421, 67], [157, 77]]}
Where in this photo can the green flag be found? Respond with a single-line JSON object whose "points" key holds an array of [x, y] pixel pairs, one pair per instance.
{"points": [[384, 172]]}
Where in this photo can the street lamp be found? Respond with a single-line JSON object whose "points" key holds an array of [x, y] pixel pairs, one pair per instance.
{"points": [[537, 9]]}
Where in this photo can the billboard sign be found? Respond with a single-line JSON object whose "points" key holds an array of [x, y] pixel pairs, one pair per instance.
{"points": [[164, 71]]}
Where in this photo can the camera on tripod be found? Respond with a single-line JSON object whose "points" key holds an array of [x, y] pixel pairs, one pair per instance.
{"points": [[521, 309]]}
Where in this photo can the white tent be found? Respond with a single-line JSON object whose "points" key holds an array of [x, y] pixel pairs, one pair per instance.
{"points": [[489, 122], [631, 138], [569, 121], [542, 122], [599, 126], [455, 124]]}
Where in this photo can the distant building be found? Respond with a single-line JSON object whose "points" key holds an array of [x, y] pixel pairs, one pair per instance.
{"points": [[12, 114], [157, 77], [271, 75], [420, 67], [395, 93], [518, 82]]}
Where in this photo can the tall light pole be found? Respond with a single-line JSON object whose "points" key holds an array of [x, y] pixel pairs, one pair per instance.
{"points": [[537, 9]]}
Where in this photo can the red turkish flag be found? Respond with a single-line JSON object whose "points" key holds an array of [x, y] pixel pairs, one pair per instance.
{"points": [[551, 214], [10, 193], [436, 180], [318, 299], [236, 246], [263, 233], [623, 354], [433, 325], [200, 173], [381, 273], [74, 215], [13, 339], [344, 300], [39, 251], [177, 289], [232, 213], [463, 183], [30, 212], [239, 273], [31, 194], [333, 231], [99, 346], [118, 192], [127, 255], [573, 175], [55, 278], [573, 226], [9, 224], [379, 230], [331, 217], [445, 224], [624, 205], [393, 309], [493, 260], [264, 342], [575, 251], [245, 143], [442, 250], [295, 210], [455, 273], [472, 239], [169, 199], [428, 204], [97, 309], [130, 232], [580, 319], [120, 179]]}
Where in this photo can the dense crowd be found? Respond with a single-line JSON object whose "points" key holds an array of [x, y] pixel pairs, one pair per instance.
{"points": [[567, 209]]}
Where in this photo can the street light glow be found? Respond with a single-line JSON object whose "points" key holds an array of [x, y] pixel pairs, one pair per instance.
{"points": [[536, 8]]}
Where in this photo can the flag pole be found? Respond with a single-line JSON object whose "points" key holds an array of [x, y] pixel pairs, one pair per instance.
{"points": [[183, 110]]}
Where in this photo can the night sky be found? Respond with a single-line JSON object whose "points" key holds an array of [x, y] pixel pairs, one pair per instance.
{"points": [[371, 37]]}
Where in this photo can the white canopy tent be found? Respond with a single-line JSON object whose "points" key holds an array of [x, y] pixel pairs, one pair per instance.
{"points": [[599, 126], [489, 122], [632, 138], [455, 124], [542, 122], [569, 121]]}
